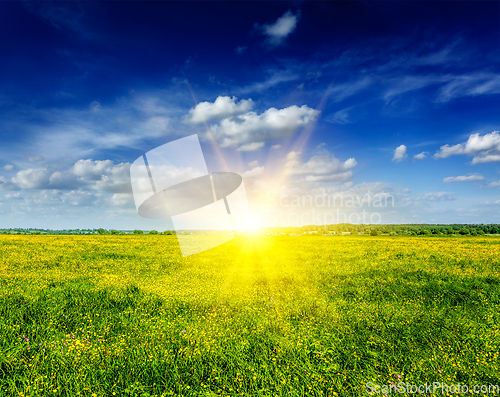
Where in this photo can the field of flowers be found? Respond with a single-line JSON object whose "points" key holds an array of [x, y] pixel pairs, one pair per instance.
{"points": [[258, 316]]}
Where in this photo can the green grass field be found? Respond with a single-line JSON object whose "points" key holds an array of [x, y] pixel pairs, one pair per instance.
{"points": [[258, 316]]}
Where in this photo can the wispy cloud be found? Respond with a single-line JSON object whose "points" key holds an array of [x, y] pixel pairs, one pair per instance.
{"points": [[60, 15], [339, 92], [274, 79], [339, 117], [57, 133], [241, 49], [250, 147], [437, 196], [473, 84]]}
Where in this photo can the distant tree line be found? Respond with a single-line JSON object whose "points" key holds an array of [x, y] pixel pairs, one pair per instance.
{"points": [[81, 231], [392, 229], [337, 229]]}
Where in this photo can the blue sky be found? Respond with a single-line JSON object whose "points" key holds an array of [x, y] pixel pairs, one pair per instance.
{"points": [[356, 98]]}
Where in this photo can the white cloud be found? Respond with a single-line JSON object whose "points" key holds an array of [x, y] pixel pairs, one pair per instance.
{"points": [[470, 85], [321, 167], [463, 178], [35, 159], [95, 106], [486, 159], [483, 148], [278, 31], [222, 108], [275, 78], [253, 164], [64, 135], [342, 91], [421, 156], [254, 172], [91, 170], [32, 178], [400, 86], [453, 86], [276, 147], [272, 124], [340, 117], [494, 184], [13, 196], [8, 167], [399, 154], [103, 176], [250, 147], [437, 196]]}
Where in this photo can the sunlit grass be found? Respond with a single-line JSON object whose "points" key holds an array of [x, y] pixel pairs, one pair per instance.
{"points": [[285, 316]]}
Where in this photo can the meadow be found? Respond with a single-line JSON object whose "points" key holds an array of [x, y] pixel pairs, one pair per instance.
{"points": [[258, 316]]}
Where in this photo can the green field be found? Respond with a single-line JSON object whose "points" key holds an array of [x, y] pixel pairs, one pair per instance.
{"points": [[258, 316]]}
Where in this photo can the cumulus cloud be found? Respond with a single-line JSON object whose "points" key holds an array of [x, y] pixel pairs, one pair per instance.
{"points": [[222, 108], [278, 31], [399, 154], [250, 147], [324, 167], [254, 172], [84, 174], [421, 156], [32, 178], [8, 167], [483, 148], [272, 124], [253, 164], [463, 178]]}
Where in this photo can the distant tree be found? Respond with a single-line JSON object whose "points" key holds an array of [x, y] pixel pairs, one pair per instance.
{"points": [[114, 232], [480, 232], [153, 232], [473, 232], [136, 231], [412, 233], [424, 232], [374, 232], [101, 231], [354, 232], [464, 231]]}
